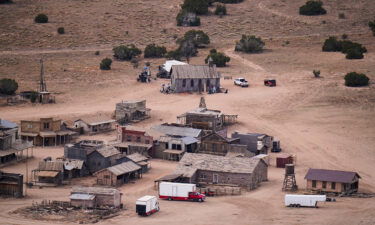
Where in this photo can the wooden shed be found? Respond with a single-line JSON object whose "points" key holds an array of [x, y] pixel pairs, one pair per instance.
{"points": [[82, 200], [119, 174], [11, 184], [103, 196], [283, 159]]}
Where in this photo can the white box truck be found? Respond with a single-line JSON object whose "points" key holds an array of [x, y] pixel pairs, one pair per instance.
{"points": [[180, 191], [147, 205], [304, 200]]}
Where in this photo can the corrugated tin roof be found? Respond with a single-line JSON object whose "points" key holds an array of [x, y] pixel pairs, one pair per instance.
{"points": [[107, 151], [48, 173], [169, 63], [82, 197], [191, 162], [6, 124], [189, 140], [123, 168], [331, 175], [194, 71], [136, 157], [169, 177], [96, 120], [51, 165], [73, 164], [94, 190], [178, 131]]}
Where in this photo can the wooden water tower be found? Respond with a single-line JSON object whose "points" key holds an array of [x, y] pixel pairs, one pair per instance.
{"points": [[289, 183]]}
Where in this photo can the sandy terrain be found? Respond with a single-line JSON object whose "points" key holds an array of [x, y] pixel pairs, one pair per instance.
{"points": [[324, 123]]}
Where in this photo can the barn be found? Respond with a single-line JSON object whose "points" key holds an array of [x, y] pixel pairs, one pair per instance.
{"points": [[97, 196]]}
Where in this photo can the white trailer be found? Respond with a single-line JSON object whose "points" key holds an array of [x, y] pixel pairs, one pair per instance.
{"points": [[147, 205], [179, 191], [304, 200]]}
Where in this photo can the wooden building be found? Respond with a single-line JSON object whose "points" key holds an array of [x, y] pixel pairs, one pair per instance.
{"points": [[82, 149], [174, 147], [45, 132], [283, 159], [103, 197], [334, 181], [133, 140], [219, 170], [11, 147], [206, 119], [11, 185], [140, 160], [131, 111], [102, 158], [216, 144], [74, 168], [118, 174], [94, 124], [256, 143], [49, 173], [195, 78]]}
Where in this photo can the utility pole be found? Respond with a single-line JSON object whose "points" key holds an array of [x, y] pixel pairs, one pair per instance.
{"points": [[42, 83]]}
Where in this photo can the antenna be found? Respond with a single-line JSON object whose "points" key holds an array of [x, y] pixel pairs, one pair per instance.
{"points": [[42, 83]]}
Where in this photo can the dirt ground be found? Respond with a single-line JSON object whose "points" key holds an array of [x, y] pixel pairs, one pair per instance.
{"points": [[322, 122]]}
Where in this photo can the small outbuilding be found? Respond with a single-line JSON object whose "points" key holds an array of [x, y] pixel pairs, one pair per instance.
{"points": [[94, 124], [335, 181], [81, 196], [11, 184], [119, 174], [283, 159], [49, 173], [140, 160]]}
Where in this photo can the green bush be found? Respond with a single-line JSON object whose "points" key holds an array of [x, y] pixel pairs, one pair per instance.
{"points": [[371, 24], [316, 73], [220, 10], [200, 7], [6, 1], [123, 52], [230, 1], [8, 86], [174, 54], [106, 64], [352, 49], [154, 51], [347, 45], [97, 53], [41, 18], [218, 58], [187, 49], [184, 18], [332, 45], [354, 79], [61, 30], [354, 53], [198, 37], [312, 8], [249, 44], [33, 96]]}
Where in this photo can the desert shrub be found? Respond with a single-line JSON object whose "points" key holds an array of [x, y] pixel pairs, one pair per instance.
{"points": [[230, 1], [312, 8], [185, 19], [344, 36], [41, 18], [8, 86], [371, 24], [342, 16], [187, 49], [123, 52], [174, 54], [220, 10], [33, 96], [135, 62], [6, 1], [154, 51], [218, 58], [316, 73], [331, 45], [106, 64], [347, 45], [249, 44], [354, 53], [198, 37], [97, 53], [61, 30], [354, 79], [200, 7]]}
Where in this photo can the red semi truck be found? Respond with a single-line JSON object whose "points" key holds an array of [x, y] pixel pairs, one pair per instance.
{"points": [[180, 191]]}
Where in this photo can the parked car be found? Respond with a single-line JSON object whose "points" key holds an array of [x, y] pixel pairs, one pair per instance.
{"points": [[304, 200], [147, 205], [270, 82], [180, 191], [241, 82]]}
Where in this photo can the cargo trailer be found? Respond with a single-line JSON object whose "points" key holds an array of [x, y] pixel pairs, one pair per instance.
{"points": [[180, 191], [147, 205], [304, 200]]}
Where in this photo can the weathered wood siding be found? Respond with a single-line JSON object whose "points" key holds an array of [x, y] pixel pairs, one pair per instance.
{"points": [[194, 85]]}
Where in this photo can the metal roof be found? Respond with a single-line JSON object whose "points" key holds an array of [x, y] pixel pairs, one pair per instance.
{"points": [[51, 165], [107, 151], [48, 173], [178, 131], [189, 140], [146, 198], [194, 71], [73, 164], [136, 157], [331, 175], [191, 162], [123, 168], [94, 190], [82, 197], [6, 124]]}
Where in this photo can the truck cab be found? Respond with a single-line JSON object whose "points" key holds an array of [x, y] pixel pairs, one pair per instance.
{"points": [[196, 196]]}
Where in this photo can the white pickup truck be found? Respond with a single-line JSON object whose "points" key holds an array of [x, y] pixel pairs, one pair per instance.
{"points": [[241, 82]]}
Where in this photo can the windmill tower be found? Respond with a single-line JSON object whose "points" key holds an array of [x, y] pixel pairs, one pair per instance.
{"points": [[42, 82], [289, 183]]}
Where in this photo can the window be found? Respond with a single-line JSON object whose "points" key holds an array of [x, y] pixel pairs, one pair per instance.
{"points": [[46, 125], [106, 176], [191, 83], [202, 176], [314, 183], [176, 146], [333, 185], [29, 126], [138, 139], [128, 138], [324, 185], [183, 83], [147, 141], [166, 146]]}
